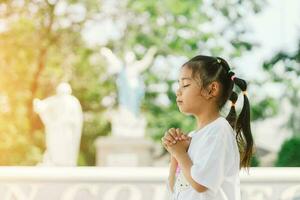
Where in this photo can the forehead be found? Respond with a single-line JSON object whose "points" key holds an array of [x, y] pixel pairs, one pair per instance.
{"points": [[185, 73]]}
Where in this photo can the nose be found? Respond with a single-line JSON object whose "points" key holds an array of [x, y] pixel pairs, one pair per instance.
{"points": [[178, 92]]}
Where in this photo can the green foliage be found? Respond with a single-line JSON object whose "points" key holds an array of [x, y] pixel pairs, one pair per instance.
{"points": [[283, 70], [254, 161], [37, 53], [289, 154], [179, 25], [265, 108]]}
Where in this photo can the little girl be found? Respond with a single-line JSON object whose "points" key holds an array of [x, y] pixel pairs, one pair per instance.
{"points": [[205, 164]]}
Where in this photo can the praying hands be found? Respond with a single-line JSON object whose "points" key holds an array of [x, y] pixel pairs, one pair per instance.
{"points": [[176, 142]]}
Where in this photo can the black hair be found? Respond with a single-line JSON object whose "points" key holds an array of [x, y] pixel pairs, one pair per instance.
{"points": [[207, 69]]}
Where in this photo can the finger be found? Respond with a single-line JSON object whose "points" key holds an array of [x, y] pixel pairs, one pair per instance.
{"points": [[170, 143], [164, 140], [184, 137], [169, 136], [166, 133], [179, 133], [167, 141], [171, 139], [165, 145], [173, 133]]}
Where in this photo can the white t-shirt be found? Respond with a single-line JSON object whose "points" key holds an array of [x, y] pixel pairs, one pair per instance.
{"points": [[216, 162]]}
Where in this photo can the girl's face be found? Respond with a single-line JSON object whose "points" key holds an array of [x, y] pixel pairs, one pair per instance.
{"points": [[191, 97]]}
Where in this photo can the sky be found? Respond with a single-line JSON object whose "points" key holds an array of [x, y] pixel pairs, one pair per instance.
{"points": [[276, 28]]}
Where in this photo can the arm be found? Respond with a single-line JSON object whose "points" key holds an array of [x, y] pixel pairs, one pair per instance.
{"points": [[143, 64], [185, 164], [172, 172], [170, 137], [112, 59]]}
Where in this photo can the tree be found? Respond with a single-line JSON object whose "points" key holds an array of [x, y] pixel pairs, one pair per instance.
{"points": [[41, 46], [283, 69], [289, 155]]}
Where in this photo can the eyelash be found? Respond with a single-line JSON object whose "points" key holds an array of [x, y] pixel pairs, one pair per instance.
{"points": [[186, 85]]}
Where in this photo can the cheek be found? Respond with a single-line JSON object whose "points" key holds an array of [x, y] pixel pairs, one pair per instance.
{"points": [[192, 95], [191, 100]]}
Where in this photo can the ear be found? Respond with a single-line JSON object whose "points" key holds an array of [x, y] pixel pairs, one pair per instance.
{"points": [[213, 89]]}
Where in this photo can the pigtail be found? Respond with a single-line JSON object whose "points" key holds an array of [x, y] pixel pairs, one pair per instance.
{"points": [[243, 129], [232, 116]]}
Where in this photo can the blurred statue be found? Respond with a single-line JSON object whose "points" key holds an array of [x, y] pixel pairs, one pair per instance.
{"points": [[62, 117], [130, 85], [127, 121]]}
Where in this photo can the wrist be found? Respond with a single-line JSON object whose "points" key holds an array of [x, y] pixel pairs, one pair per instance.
{"points": [[179, 155], [173, 161]]}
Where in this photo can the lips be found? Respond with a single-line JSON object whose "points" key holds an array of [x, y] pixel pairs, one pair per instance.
{"points": [[179, 101]]}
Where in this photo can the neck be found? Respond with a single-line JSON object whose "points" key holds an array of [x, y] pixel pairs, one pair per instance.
{"points": [[206, 116]]}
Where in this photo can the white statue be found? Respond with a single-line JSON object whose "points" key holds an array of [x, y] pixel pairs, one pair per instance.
{"points": [[131, 89], [129, 82], [63, 119]]}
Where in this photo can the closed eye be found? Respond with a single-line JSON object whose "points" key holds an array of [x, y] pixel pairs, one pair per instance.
{"points": [[186, 85]]}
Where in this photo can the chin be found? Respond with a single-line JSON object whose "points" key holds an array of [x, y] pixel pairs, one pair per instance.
{"points": [[185, 111]]}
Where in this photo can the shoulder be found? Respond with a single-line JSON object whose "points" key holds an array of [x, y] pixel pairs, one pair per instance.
{"points": [[220, 130], [220, 125]]}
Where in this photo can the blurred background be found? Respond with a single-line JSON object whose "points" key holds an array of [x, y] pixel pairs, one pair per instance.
{"points": [[104, 72]]}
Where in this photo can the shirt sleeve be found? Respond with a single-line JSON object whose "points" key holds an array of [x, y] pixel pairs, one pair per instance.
{"points": [[208, 165]]}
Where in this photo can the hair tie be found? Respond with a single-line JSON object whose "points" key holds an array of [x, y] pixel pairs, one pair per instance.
{"points": [[232, 77], [245, 93]]}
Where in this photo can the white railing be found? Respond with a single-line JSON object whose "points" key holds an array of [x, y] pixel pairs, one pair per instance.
{"points": [[89, 183]]}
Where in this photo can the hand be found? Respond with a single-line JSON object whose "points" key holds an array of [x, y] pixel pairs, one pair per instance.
{"points": [[179, 148], [173, 136]]}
